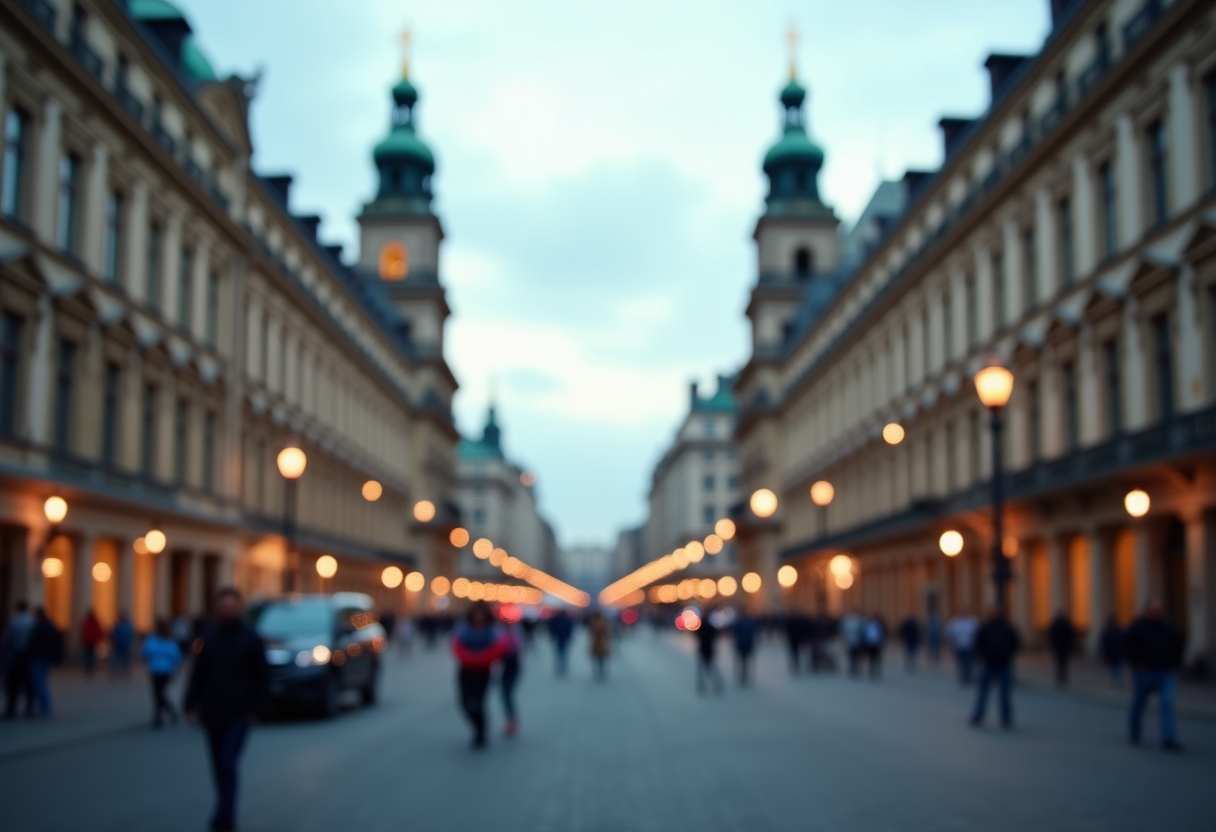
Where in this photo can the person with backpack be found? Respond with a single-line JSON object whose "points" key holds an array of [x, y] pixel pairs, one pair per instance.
{"points": [[163, 657], [996, 644]]}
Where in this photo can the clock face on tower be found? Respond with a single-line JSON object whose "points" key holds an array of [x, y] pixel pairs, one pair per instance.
{"points": [[394, 261]]}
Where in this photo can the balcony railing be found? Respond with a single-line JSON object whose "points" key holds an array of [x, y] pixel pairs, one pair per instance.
{"points": [[128, 100], [1052, 117], [43, 12], [89, 59], [1092, 74], [193, 170], [162, 137], [1139, 23]]}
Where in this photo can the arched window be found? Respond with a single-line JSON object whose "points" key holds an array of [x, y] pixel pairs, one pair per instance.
{"points": [[394, 261], [803, 263]]}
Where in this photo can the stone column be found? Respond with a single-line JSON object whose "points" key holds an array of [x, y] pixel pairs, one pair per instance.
{"points": [[1127, 181], [1045, 245], [135, 242], [1084, 212], [82, 583], [1190, 342], [1201, 583], [92, 211], [37, 414], [1183, 156], [1099, 586], [125, 556], [170, 276], [45, 189], [1135, 406]]}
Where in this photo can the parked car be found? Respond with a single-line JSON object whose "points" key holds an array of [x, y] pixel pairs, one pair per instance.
{"points": [[319, 646]]}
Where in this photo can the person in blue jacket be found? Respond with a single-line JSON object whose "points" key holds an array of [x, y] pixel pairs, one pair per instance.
{"points": [[163, 657]]}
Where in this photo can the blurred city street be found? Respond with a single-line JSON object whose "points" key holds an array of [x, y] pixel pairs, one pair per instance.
{"points": [[641, 752]]}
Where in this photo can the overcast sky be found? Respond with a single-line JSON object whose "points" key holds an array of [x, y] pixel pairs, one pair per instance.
{"points": [[599, 180]]}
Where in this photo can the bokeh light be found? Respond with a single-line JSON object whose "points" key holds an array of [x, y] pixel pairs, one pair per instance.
{"points": [[140, 546], [55, 509], [787, 576], [725, 528], [893, 433], [415, 581], [483, 547], [844, 581], [822, 493], [327, 566], [320, 654], [763, 503], [392, 576], [52, 568], [1009, 546], [101, 572], [527, 479], [694, 551], [707, 588], [372, 491], [751, 582], [498, 557], [841, 565], [291, 462], [424, 511], [727, 586], [1137, 502], [460, 587], [713, 544], [459, 537], [951, 543], [155, 541], [440, 585]]}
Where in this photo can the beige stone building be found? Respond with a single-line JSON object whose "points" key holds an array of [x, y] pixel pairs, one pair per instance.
{"points": [[1071, 231], [169, 326]]}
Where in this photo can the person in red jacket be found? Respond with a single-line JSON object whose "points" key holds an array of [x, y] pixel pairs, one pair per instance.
{"points": [[477, 645], [91, 637]]}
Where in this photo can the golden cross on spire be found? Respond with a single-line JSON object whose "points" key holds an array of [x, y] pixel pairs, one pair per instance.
{"points": [[406, 38], [791, 37]]}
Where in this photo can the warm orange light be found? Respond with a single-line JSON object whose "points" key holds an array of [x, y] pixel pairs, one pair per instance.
{"points": [[483, 547], [994, 384], [727, 586], [1009, 546], [694, 550], [155, 541], [893, 433], [415, 581], [498, 557], [763, 503], [320, 654], [1137, 503], [101, 572], [527, 479], [460, 587], [787, 576], [679, 559], [440, 585], [841, 565], [52, 568], [707, 589], [327, 566], [713, 544], [372, 491], [459, 537], [292, 463], [822, 493], [844, 581], [725, 528], [424, 511], [394, 261], [140, 546], [951, 543], [392, 576], [55, 509], [751, 582]]}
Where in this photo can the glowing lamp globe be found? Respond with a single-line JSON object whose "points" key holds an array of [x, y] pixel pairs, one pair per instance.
{"points": [[951, 543], [893, 433], [841, 565], [822, 493], [764, 503], [1137, 503], [291, 462], [327, 566], [372, 491], [725, 528], [55, 508], [787, 576], [155, 541], [424, 511], [392, 576], [994, 384]]}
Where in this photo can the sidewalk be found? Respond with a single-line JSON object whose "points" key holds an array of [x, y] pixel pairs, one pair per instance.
{"points": [[84, 710]]}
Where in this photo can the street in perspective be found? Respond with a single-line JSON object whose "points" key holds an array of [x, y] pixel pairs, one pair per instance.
{"points": [[608, 416]]}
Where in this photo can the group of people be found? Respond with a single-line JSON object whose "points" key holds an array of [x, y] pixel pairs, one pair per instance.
{"points": [[29, 646]]}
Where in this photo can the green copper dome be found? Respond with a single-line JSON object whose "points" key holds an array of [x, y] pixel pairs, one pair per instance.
{"points": [[402, 145], [794, 146], [405, 92], [195, 62], [155, 10], [794, 94]]}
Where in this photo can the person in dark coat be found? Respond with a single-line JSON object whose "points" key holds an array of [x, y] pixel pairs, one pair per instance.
{"points": [[229, 687], [707, 668], [1154, 650], [996, 644], [561, 629], [744, 632], [477, 645], [1112, 644], [795, 632], [45, 650], [909, 634], [15, 661], [1062, 638]]}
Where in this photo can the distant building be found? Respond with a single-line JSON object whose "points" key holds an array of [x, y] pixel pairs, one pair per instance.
{"points": [[168, 326], [497, 501], [586, 567], [1068, 232]]}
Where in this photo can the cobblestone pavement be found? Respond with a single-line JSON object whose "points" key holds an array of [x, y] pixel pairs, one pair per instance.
{"points": [[641, 752]]}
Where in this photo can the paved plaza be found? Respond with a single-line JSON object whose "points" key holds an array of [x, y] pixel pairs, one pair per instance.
{"points": [[642, 752]]}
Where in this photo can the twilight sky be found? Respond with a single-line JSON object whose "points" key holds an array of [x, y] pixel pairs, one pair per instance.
{"points": [[599, 180]]}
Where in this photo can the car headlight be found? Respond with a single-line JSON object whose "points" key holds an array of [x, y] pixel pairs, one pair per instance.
{"points": [[317, 655]]}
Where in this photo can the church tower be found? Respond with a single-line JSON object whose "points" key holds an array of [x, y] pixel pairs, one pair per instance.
{"points": [[399, 234], [797, 238]]}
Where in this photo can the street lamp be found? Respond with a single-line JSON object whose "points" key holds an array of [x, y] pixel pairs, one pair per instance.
{"points": [[291, 462], [1136, 502], [763, 503], [822, 494], [994, 385], [55, 509]]}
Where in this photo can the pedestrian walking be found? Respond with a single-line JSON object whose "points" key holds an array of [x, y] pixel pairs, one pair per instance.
{"points": [[909, 634], [1062, 638], [933, 636], [561, 630], [508, 676], [163, 657], [960, 633], [478, 645], [601, 644], [852, 634], [1154, 651], [91, 637], [743, 631], [707, 667], [873, 636], [45, 651], [795, 632], [405, 635], [15, 661], [1112, 644], [996, 644], [122, 638], [228, 689]]}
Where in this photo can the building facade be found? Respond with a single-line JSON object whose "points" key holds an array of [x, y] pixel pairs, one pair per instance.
{"points": [[169, 326], [1071, 232]]}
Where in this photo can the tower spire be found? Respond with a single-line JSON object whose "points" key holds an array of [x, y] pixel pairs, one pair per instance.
{"points": [[791, 38], [406, 38]]}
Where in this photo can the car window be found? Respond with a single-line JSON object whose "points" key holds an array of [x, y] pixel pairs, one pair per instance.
{"points": [[292, 619]]}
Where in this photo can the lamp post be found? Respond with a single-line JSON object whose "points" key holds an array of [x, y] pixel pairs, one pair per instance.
{"points": [[291, 462], [994, 385], [822, 494]]}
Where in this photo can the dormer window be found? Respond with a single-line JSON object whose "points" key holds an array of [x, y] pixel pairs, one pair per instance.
{"points": [[802, 263]]}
